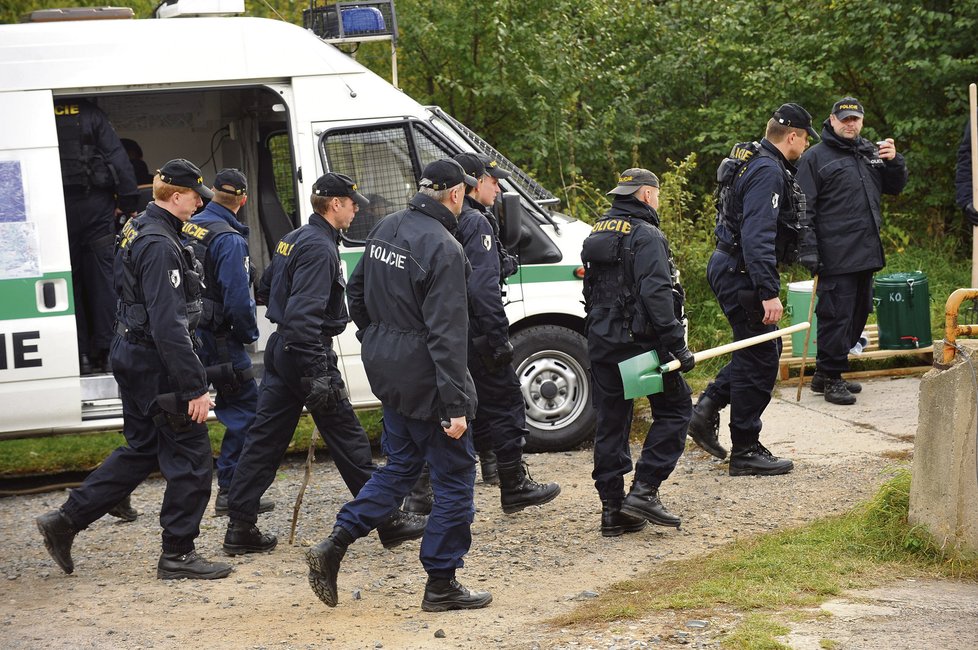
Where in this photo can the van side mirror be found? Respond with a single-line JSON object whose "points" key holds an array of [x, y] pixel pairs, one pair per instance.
{"points": [[510, 220]]}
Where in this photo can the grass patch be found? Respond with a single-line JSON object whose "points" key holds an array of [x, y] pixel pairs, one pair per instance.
{"points": [[798, 567], [84, 451]]}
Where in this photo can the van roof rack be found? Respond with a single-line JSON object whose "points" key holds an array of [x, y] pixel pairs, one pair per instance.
{"points": [[78, 13]]}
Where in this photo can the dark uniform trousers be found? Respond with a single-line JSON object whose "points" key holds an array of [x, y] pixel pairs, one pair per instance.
{"points": [[500, 418], [183, 457], [844, 303], [410, 443], [280, 403], [91, 247], [747, 381], [664, 442]]}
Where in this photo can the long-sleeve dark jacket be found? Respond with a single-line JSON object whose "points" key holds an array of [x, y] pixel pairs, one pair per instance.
{"points": [[408, 298], [227, 271], [760, 192], [962, 171], [650, 272], [486, 314], [306, 293], [843, 181], [152, 280]]}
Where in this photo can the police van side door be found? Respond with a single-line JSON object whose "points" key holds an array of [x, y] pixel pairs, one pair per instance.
{"points": [[39, 384]]}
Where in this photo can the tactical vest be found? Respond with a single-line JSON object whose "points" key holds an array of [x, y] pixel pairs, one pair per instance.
{"points": [[212, 302], [82, 165], [609, 280], [794, 240], [132, 303]]}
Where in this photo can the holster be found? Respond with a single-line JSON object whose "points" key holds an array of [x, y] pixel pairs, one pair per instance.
{"points": [[227, 379], [174, 414], [484, 350], [750, 302]]}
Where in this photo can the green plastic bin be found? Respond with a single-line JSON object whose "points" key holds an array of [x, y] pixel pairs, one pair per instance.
{"points": [[799, 300], [902, 302]]}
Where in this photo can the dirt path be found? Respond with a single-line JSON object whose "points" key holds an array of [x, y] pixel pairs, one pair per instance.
{"points": [[537, 563]]}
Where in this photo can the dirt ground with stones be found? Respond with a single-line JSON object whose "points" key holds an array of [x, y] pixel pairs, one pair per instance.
{"points": [[538, 563]]}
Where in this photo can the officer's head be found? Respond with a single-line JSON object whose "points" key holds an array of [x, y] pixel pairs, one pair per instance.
{"points": [[230, 189], [486, 172], [847, 118], [178, 187], [336, 199], [789, 129], [445, 181], [640, 183]]}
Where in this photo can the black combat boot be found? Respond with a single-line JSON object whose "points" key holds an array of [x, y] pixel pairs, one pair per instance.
{"points": [[836, 392], [324, 564], [401, 527], [221, 503], [489, 467], [173, 566], [124, 510], [59, 533], [704, 426], [517, 489], [615, 523], [443, 594], [818, 384], [420, 499], [756, 460], [242, 538], [643, 501]]}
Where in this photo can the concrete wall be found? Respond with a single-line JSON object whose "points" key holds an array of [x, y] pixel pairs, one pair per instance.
{"points": [[944, 490]]}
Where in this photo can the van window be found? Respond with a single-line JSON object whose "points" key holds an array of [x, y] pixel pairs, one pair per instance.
{"points": [[386, 162], [280, 148]]}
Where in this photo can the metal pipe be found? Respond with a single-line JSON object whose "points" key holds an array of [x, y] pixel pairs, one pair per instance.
{"points": [[951, 327]]}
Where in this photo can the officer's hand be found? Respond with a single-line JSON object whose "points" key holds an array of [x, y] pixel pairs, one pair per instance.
{"points": [[971, 215], [685, 359], [457, 428], [887, 149], [321, 396], [198, 408], [502, 355], [773, 311]]}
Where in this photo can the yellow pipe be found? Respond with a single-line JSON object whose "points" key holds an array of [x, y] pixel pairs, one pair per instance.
{"points": [[951, 327]]}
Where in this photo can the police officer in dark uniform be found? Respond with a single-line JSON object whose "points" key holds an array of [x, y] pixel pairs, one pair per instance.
{"points": [[305, 293], [844, 177], [743, 274], [499, 428], [228, 322], [408, 299], [634, 304], [97, 178], [161, 382]]}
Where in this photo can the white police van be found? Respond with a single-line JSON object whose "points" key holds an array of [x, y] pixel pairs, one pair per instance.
{"points": [[280, 103]]}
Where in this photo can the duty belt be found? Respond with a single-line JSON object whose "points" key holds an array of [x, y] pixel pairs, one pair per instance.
{"points": [[132, 337]]}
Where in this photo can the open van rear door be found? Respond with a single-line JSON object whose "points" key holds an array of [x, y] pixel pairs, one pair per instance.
{"points": [[39, 385]]}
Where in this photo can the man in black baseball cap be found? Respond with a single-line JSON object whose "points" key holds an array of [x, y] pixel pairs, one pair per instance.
{"points": [[231, 181], [445, 174], [183, 173], [795, 116], [333, 184], [847, 107]]}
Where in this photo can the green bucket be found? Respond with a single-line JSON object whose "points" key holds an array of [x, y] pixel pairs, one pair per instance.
{"points": [[902, 302], [799, 300]]}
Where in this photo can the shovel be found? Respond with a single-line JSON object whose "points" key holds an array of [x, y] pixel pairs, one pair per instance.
{"points": [[641, 375]]}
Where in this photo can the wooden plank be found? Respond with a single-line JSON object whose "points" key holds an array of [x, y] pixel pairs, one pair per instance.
{"points": [[869, 374]]}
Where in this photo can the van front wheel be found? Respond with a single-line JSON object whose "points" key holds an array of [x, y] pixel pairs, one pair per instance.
{"points": [[551, 364]]}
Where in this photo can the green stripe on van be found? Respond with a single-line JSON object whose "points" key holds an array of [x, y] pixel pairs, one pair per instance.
{"points": [[18, 297], [532, 273]]}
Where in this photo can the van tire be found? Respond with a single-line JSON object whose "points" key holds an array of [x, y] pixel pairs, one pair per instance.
{"points": [[551, 365]]}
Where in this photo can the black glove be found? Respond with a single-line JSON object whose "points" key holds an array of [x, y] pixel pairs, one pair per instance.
{"points": [[509, 265], [685, 359], [971, 215], [502, 355], [321, 395]]}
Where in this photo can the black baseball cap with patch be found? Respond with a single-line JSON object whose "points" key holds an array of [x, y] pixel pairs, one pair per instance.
{"points": [[847, 107], [333, 184], [472, 164], [183, 173], [492, 167], [231, 181], [795, 116], [634, 178], [445, 174]]}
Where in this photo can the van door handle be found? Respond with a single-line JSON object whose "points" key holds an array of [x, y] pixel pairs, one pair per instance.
{"points": [[50, 299]]}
